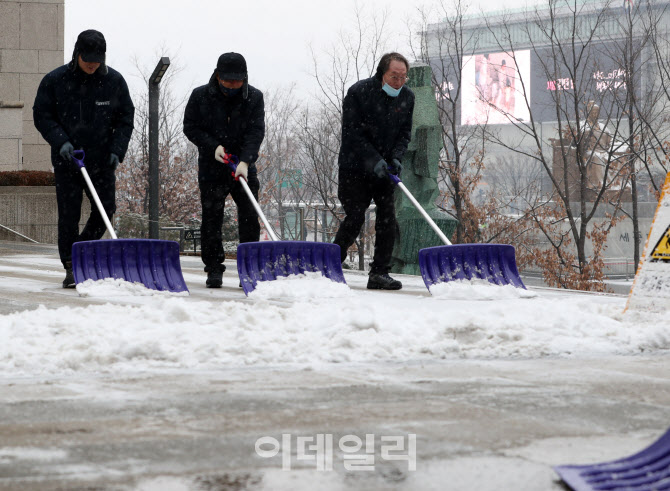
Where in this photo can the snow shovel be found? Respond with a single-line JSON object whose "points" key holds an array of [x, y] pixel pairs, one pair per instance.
{"points": [[266, 261], [154, 263], [495, 263]]}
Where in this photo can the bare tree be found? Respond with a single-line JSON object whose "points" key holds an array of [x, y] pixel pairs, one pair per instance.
{"points": [[656, 24], [586, 163], [279, 165], [319, 137], [515, 182], [178, 167], [635, 47]]}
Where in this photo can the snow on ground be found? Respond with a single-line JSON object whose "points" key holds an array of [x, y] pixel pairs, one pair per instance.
{"points": [[477, 290], [307, 286], [112, 287], [10, 454], [311, 321]]}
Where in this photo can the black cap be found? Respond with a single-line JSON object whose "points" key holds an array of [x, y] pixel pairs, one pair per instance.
{"points": [[231, 66], [91, 45]]}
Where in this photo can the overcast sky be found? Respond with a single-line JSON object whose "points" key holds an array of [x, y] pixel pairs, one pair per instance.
{"points": [[274, 36]]}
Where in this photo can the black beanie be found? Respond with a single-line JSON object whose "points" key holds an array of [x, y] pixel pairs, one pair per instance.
{"points": [[231, 66], [91, 45]]}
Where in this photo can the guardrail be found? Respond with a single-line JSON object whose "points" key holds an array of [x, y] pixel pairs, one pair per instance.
{"points": [[620, 267], [18, 233]]}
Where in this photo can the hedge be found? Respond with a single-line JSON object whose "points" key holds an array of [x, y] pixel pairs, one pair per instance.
{"points": [[27, 178]]}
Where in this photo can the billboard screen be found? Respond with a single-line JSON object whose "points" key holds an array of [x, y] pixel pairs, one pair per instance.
{"points": [[601, 79], [491, 92]]}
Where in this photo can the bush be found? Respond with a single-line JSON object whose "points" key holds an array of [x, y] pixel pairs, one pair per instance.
{"points": [[27, 178]]}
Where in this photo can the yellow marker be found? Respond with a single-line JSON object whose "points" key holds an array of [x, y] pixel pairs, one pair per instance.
{"points": [[661, 251], [652, 280]]}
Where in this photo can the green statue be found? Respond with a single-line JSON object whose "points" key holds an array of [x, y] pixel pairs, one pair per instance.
{"points": [[420, 175]]}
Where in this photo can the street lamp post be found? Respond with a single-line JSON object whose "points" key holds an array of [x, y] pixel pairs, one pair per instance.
{"points": [[154, 93]]}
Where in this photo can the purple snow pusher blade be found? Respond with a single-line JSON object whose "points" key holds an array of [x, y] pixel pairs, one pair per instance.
{"points": [[266, 261], [154, 263], [495, 263], [644, 471]]}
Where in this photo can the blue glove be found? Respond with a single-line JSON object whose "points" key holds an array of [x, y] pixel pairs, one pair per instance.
{"points": [[66, 151], [395, 167], [113, 160], [380, 169]]}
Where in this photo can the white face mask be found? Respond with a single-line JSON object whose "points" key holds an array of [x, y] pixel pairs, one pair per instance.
{"points": [[390, 90]]}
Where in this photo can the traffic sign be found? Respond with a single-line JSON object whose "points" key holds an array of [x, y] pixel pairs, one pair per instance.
{"points": [[192, 234]]}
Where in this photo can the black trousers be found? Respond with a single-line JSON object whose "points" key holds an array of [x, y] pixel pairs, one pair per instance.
{"points": [[70, 186], [356, 191], [213, 195]]}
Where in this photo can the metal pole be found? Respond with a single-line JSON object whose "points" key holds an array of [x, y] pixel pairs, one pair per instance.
{"points": [[324, 223], [17, 233], [361, 250], [154, 177], [302, 224], [154, 93]]}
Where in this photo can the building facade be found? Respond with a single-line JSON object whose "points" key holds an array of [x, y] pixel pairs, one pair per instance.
{"points": [[31, 45], [505, 71], [508, 77]]}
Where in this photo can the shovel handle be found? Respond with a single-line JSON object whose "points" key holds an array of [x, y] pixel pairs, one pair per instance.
{"points": [[430, 221], [78, 157], [233, 161]]}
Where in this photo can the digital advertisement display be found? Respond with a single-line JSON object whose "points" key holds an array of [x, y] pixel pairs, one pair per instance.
{"points": [[492, 92], [602, 79]]}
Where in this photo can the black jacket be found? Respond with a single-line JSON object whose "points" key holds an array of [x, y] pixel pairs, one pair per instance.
{"points": [[374, 125], [237, 123], [93, 112]]}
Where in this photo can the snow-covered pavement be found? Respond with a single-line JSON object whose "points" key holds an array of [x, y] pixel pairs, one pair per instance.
{"points": [[113, 326], [112, 385]]}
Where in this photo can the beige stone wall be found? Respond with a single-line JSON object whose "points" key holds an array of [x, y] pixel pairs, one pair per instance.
{"points": [[31, 45], [33, 212], [11, 131]]}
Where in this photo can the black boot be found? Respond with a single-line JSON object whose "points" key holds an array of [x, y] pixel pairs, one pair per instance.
{"points": [[215, 276], [383, 282], [68, 282]]}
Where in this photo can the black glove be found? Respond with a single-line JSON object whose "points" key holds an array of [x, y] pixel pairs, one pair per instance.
{"points": [[395, 167], [381, 169], [113, 160], [66, 151]]}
